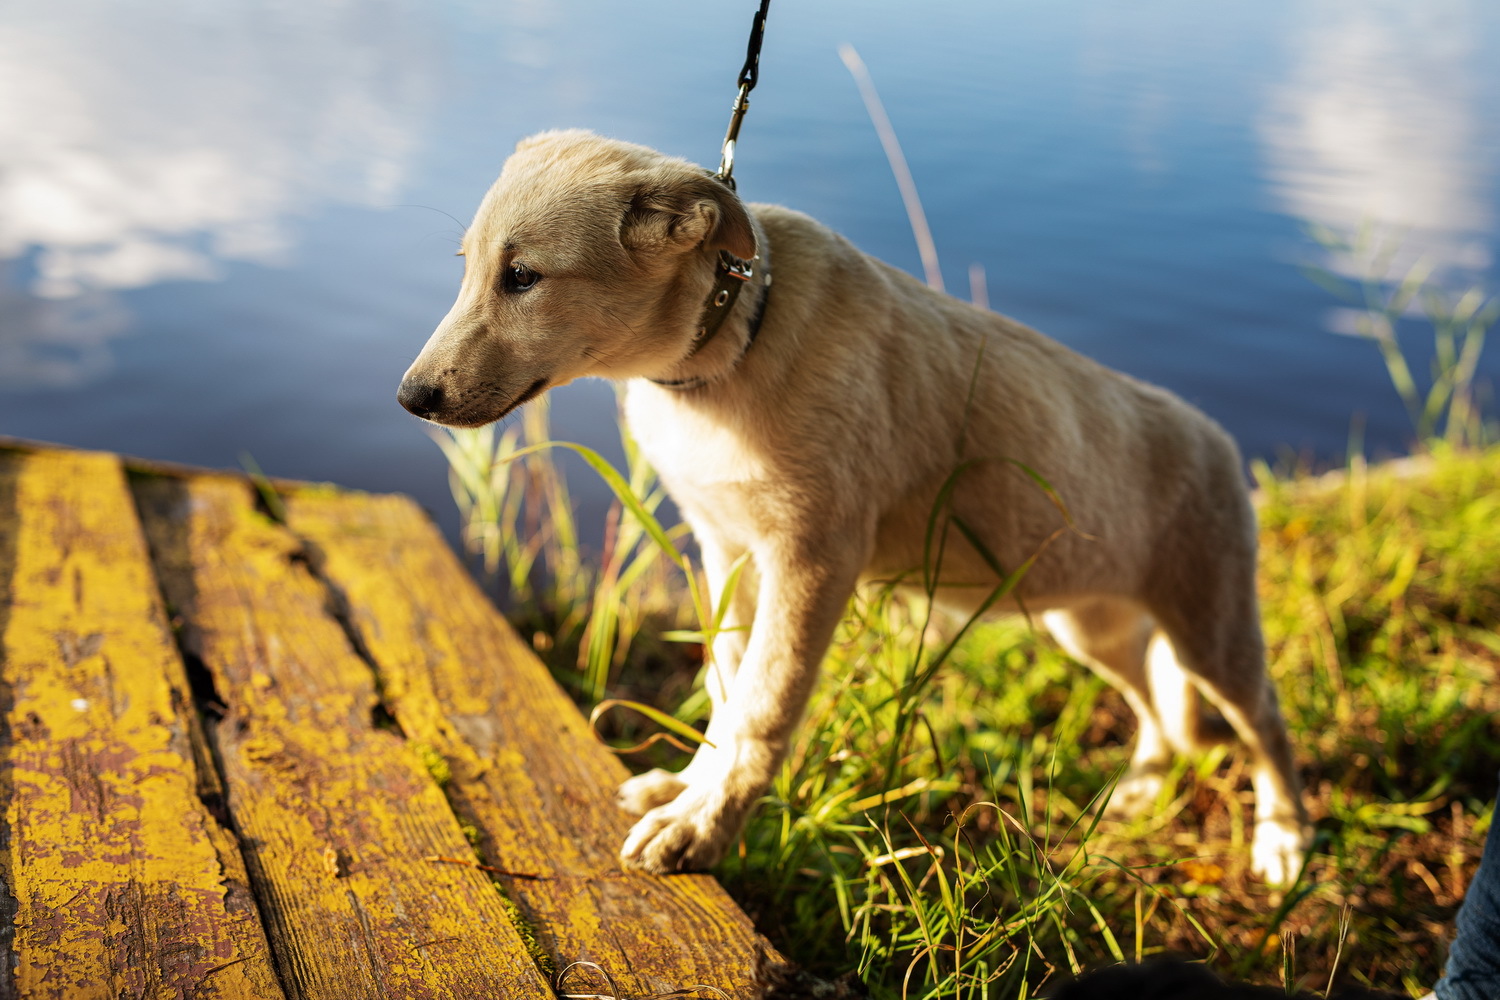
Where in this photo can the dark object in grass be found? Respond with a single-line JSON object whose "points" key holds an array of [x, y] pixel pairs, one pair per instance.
{"points": [[1174, 979], [787, 981]]}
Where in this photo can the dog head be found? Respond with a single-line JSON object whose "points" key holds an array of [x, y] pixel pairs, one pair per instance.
{"points": [[588, 256]]}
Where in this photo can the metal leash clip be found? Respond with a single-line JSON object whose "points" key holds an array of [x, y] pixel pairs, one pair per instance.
{"points": [[741, 104]]}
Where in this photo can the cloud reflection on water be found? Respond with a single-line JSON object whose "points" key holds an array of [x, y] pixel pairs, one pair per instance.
{"points": [[1377, 121], [56, 343], [149, 143]]}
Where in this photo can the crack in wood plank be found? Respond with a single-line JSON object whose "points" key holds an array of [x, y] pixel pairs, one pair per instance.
{"points": [[123, 883], [523, 767], [306, 772]]}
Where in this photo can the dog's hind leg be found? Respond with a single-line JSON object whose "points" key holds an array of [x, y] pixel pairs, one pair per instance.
{"points": [[1224, 653], [1115, 638], [658, 786]]}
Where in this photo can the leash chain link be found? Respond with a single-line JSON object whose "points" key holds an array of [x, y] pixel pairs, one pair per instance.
{"points": [[746, 80]]}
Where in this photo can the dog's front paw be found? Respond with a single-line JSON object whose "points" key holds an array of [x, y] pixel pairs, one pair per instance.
{"points": [[1276, 853], [688, 834], [644, 792]]}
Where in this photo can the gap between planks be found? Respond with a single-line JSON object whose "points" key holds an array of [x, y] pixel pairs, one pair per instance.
{"points": [[335, 812], [522, 766], [525, 778], [118, 879]]}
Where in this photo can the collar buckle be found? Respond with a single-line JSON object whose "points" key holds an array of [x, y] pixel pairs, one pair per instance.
{"points": [[733, 267], [731, 274]]}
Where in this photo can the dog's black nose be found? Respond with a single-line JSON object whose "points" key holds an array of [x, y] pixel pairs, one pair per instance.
{"points": [[421, 398]]}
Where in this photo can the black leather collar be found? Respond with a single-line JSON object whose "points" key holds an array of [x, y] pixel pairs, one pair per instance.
{"points": [[731, 274]]}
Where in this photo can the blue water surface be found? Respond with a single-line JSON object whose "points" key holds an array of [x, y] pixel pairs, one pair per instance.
{"points": [[225, 228]]}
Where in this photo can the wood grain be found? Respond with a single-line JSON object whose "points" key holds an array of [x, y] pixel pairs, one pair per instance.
{"points": [[334, 806], [118, 881], [525, 769]]}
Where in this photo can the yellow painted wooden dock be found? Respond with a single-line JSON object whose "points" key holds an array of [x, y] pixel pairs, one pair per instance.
{"points": [[230, 744]]}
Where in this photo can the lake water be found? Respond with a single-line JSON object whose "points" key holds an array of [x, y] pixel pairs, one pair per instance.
{"points": [[225, 227]]}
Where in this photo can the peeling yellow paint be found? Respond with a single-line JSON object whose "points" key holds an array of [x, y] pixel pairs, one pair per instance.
{"points": [[524, 768], [120, 879], [337, 813], [125, 884]]}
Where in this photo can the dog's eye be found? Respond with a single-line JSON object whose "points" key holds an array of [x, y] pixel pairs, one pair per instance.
{"points": [[519, 277]]}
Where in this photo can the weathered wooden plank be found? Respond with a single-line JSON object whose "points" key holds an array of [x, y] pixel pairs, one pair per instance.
{"points": [[118, 881], [335, 809], [525, 769]]}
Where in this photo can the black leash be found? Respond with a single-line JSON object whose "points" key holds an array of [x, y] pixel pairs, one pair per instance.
{"points": [[732, 273]]}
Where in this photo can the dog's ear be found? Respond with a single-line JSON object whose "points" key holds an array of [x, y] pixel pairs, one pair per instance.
{"points": [[686, 211]]}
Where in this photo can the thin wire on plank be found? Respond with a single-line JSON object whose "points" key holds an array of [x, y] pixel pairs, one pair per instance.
{"points": [[560, 984]]}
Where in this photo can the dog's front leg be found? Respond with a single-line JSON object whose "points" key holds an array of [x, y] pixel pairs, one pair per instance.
{"points": [[658, 786], [803, 588]]}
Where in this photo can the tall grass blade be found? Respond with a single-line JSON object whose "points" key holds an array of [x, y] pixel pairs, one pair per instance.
{"points": [[888, 141]]}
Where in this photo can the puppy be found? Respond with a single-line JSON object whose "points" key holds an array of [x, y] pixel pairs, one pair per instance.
{"points": [[813, 422]]}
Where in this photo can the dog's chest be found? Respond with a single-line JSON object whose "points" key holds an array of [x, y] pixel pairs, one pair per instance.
{"points": [[695, 454]]}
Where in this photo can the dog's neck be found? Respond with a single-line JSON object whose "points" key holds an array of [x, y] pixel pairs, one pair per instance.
{"points": [[721, 346]]}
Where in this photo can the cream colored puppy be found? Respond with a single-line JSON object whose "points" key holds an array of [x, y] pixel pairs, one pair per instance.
{"points": [[812, 422]]}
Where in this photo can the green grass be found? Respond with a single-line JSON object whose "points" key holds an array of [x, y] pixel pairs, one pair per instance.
{"points": [[974, 867], [1381, 597]]}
